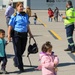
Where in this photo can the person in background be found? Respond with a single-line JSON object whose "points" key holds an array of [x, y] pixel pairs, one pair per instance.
{"points": [[56, 14], [69, 20], [20, 24], [49, 61], [9, 11], [35, 18], [50, 14], [61, 19], [3, 57], [28, 11]]}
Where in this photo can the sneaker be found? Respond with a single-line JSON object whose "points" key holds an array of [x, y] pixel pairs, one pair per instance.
{"points": [[3, 72], [39, 68], [67, 49]]}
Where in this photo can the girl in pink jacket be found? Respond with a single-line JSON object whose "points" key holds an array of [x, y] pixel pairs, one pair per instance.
{"points": [[49, 61]]}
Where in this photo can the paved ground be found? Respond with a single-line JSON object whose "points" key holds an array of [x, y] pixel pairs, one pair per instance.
{"points": [[42, 34]]}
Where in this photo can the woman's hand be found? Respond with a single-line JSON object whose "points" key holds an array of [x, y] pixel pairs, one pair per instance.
{"points": [[9, 33], [29, 31], [9, 38], [31, 36]]}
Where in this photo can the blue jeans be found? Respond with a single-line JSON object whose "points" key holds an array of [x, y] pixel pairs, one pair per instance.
{"points": [[4, 62], [50, 19]]}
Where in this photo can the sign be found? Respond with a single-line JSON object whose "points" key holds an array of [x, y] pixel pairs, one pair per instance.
{"points": [[50, 0]]}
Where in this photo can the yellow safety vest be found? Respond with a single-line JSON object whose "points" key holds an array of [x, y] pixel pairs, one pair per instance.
{"points": [[70, 17]]}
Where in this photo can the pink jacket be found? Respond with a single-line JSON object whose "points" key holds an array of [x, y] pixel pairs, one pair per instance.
{"points": [[47, 62]]}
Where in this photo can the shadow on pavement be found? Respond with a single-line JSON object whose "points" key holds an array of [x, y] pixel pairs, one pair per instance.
{"points": [[18, 72], [34, 66], [11, 55], [65, 64], [29, 69]]}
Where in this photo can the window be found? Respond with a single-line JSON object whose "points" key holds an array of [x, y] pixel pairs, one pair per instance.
{"points": [[50, 0]]}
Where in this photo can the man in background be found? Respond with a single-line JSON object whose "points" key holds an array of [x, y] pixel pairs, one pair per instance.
{"points": [[9, 11]]}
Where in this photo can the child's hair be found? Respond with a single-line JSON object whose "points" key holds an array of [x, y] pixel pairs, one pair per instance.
{"points": [[49, 8], [61, 14], [2, 31], [46, 46]]}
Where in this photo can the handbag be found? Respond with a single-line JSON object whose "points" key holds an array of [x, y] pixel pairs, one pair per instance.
{"points": [[32, 48]]}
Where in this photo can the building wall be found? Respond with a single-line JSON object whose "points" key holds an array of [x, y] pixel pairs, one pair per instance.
{"points": [[6, 2], [1, 3], [40, 4], [43, 4], [19, 1]]}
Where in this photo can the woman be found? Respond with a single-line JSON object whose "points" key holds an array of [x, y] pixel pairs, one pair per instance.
{"points": [[20, 23], [28, 11], [56, 13], [50, 13]]}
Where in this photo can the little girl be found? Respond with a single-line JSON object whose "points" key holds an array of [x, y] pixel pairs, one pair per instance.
{"points": [[49, 61]]}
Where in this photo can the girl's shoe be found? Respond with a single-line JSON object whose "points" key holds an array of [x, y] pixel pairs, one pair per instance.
{"points": [[39, 68]]}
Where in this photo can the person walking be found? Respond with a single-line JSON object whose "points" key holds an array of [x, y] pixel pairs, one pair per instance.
{"points": [[19, 22], [28, 11], [50, 14], [49, 60], [9, 11], [3, 57], [56, 13], [35, 18], [69, 25]]}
